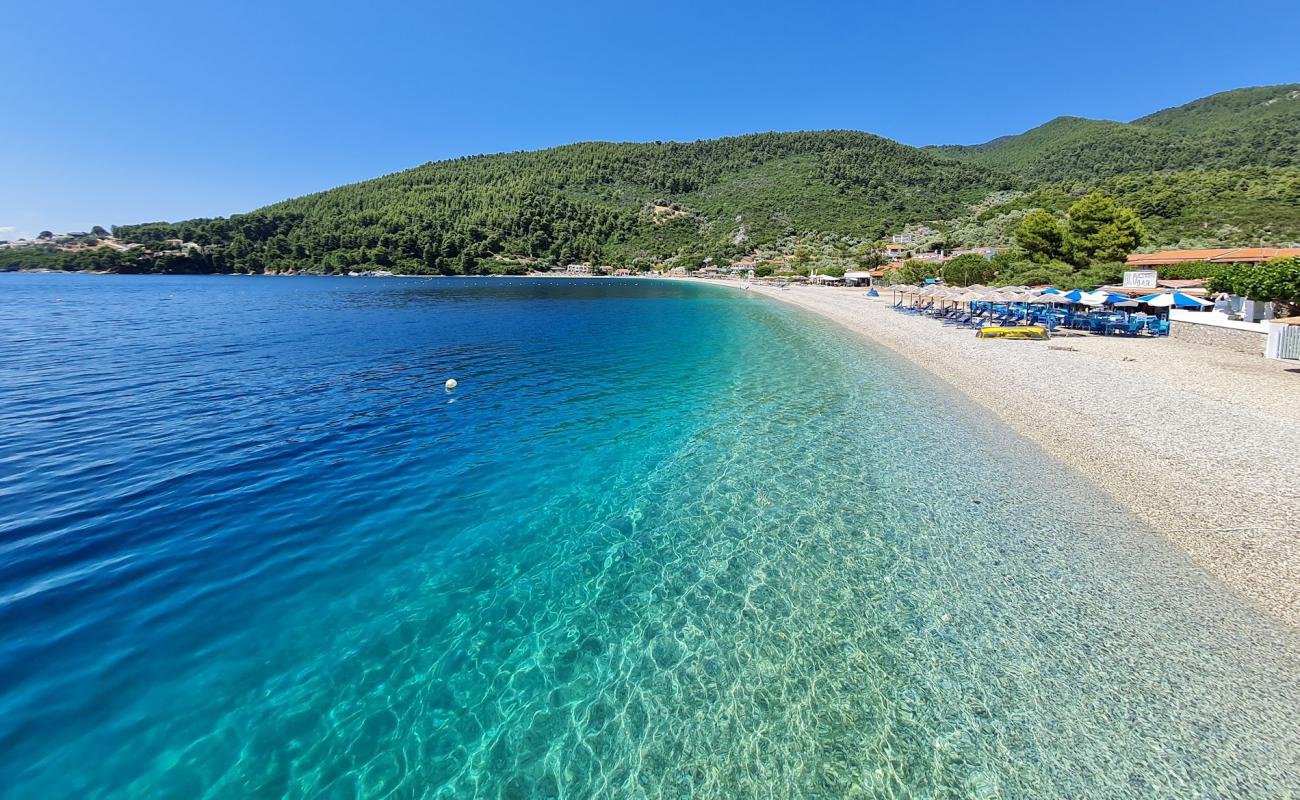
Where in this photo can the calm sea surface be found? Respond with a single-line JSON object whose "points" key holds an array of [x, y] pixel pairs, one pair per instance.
{"points": [[664, 540]]}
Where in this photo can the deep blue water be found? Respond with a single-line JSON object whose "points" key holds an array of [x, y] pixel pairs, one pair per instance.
{"points": [[664, 540]]}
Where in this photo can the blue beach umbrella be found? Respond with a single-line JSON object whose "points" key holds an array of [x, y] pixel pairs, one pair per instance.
{"points": [[1175, 299], [1105, 298], [1053, 296], [1073, 296]]}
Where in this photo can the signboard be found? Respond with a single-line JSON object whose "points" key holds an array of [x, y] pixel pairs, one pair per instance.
{"points": [[1140, 279]]}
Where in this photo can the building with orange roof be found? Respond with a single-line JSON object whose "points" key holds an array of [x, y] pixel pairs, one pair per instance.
{"points": [[1224, 255], [895, 252]]}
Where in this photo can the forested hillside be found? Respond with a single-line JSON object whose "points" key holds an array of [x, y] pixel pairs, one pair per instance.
{"points": [[1221, 170], [1257, 127], [597, 201]]}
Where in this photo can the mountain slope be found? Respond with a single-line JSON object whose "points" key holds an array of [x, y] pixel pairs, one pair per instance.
{"points": [[1233, 109], [597, 201], [1077, 148], [1255, 127], [1221, 170]]}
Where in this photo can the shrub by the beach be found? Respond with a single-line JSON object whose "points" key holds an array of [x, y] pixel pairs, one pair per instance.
{"points": [[912, 272], [1028, 273], [1094, 276], [1276, 281], [1192, 270]]}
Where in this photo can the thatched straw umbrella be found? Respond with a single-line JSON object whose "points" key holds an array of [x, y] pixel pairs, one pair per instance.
{"points": [[902, 289]]}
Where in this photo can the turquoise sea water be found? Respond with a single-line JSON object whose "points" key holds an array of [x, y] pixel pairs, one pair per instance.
{"points": [[664, 540]]}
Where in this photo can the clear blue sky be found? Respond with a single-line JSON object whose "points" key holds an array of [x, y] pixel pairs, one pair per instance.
{"points": [[149, 110]]}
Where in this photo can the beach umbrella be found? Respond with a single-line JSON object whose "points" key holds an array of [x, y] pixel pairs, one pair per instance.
{"points": [[1173, 299], [1049, 290], [1102, 297]]}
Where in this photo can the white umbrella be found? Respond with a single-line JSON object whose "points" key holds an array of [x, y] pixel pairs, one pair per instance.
{"points": [[1168, 299], [1094, 298]]}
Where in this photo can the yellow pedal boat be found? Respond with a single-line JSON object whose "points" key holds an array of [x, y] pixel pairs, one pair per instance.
{"points": [[1013, 332]]}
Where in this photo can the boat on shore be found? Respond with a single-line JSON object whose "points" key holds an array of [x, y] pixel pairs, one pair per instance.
{"points": [[1013, 332]]}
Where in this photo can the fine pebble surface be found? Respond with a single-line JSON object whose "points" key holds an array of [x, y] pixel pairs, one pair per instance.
{"points": [[661, 540], [1202, 442]]}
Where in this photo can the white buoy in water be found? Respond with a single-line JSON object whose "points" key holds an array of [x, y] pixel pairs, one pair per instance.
{"points": [[450, 384]]}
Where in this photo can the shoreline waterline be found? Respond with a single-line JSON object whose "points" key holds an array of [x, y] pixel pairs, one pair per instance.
{"points": [[1153, 439], [661, 541]]}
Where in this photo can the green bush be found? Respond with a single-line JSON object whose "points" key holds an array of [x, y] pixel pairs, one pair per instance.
{"points": [[1192, 270], [967, 269], [1276, 281], [1028, 273], [911, 272]]}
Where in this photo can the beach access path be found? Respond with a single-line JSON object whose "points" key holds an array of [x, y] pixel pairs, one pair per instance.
{"points": [[1202, 443]]}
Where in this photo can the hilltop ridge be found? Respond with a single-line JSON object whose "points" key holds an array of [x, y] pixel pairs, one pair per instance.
{"points": [[1221, 169]]}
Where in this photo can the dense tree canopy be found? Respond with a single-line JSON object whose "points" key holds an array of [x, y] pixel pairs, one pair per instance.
{"points": [[1246, 127], [968, 269], [1224, 170], [596, 202], [1041, 235], [1097, 229]]}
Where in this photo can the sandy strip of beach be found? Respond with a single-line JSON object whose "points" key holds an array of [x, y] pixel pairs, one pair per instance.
{"points": [[1202, 443]]}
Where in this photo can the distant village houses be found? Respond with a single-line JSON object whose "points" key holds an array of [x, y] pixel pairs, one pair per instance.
{"points": [[895, 251]]}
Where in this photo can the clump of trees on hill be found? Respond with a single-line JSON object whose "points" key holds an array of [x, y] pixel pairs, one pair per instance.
{"points": [[1222, 171], [1095, 230], [592, 202], [1083, 247]]}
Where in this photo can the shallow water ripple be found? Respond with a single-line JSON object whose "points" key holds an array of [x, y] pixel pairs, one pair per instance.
{"points": [[665, 541]]}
